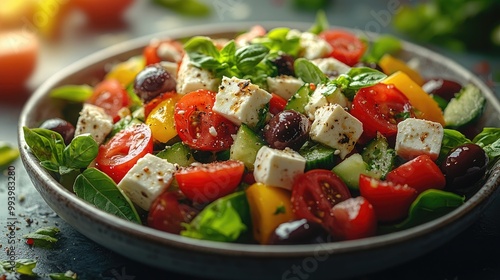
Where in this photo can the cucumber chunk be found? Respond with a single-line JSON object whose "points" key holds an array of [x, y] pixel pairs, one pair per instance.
{"points": [[299, 100], [317, 156], [177, 153], [466, 107], [245, 146], [350, 169], [379, 156]]}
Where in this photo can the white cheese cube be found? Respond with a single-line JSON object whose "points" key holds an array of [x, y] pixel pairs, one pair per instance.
{"points": [[335, 127], [312, 46], [240, 101], [191, 78], [323, 95], [278, 168], [170, 67], [147, 179], [331, 66], [284, 86], [416, 137], [95, 121]]}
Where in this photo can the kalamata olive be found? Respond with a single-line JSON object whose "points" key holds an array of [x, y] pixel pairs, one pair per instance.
{"points": [[153, 81], [464, 166], [66, 129], [284, 63], [287, 129], [298, 232], [443, 88]]}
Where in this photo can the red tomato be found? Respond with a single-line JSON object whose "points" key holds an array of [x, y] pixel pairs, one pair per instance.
{"points": [[380, 108], [420, 173], [122, 151], [165, 50], [352, 218], [277, 104], [346, 46], [167, 213], [390, 201], [206, 182], [198, 126], [315, 192], [111, 96]]}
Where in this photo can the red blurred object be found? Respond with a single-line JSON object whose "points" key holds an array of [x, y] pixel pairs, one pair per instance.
{"points": [[103, 13]]}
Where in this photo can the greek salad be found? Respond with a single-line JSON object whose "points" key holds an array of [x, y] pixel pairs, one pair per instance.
{"points": [[275, 136]]}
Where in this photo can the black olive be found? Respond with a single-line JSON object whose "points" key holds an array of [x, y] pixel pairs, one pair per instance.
{"points": [[153, 81], [443, 88], [66, 129], [284, 64], [287, 129], [463, 167], [298, 232]]}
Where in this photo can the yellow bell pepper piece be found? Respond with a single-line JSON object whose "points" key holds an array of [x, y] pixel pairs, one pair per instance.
{"points": [[161, 119], [390, 65], [126, 71], [269, 207], [426, 107]]}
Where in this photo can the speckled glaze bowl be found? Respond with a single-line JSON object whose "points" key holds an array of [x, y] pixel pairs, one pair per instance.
{"points": [[244, 261]]}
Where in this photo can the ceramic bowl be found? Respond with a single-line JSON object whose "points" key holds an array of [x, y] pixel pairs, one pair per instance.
{"points": [[246, 261]]}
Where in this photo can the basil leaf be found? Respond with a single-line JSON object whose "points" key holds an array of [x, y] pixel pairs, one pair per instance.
{"points": [[321, 23], [451, 139], [45, 144], [7, 154], [430, 205], [278, 40], [249, 56], [80, 152], [101, 191], [203, 61], [308, 72], [227, 53], [203, 45], [364, 77], [224, 220], [76, 93], [489, 140]]}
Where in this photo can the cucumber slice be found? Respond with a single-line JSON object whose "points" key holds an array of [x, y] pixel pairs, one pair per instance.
{"points": [[466, 107], [299, 100], [350, 169], [379, 156], [177, 153], [317, 156], [245, 146]]}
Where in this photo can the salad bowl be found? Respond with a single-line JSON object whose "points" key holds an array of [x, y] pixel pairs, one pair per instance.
{"points": [[247, 261]]}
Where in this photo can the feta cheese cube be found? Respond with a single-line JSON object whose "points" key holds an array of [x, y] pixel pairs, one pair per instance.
{"points": [[331, 66], [191, 78], [240, 101], [323, 95], [278, 168], [95, 121], [312, 46], [335, 127], [284, 86], [147, 179], [416, 137]]}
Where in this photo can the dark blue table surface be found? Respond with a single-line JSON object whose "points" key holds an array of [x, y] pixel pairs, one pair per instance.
{"points": [[473, 254]]}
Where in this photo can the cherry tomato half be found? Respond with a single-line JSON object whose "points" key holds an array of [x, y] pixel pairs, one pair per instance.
{"points": [[122, 151], [420, 173], [168, 214], [277, 104], [111, 96], [315, 192], [391, 201], [206, 182], [380, 108], [346, 46], [165, 50], [351, 219], [198, 126]]}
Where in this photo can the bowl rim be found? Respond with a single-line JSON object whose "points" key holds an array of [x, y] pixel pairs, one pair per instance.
{"points": [[479, 200]]}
